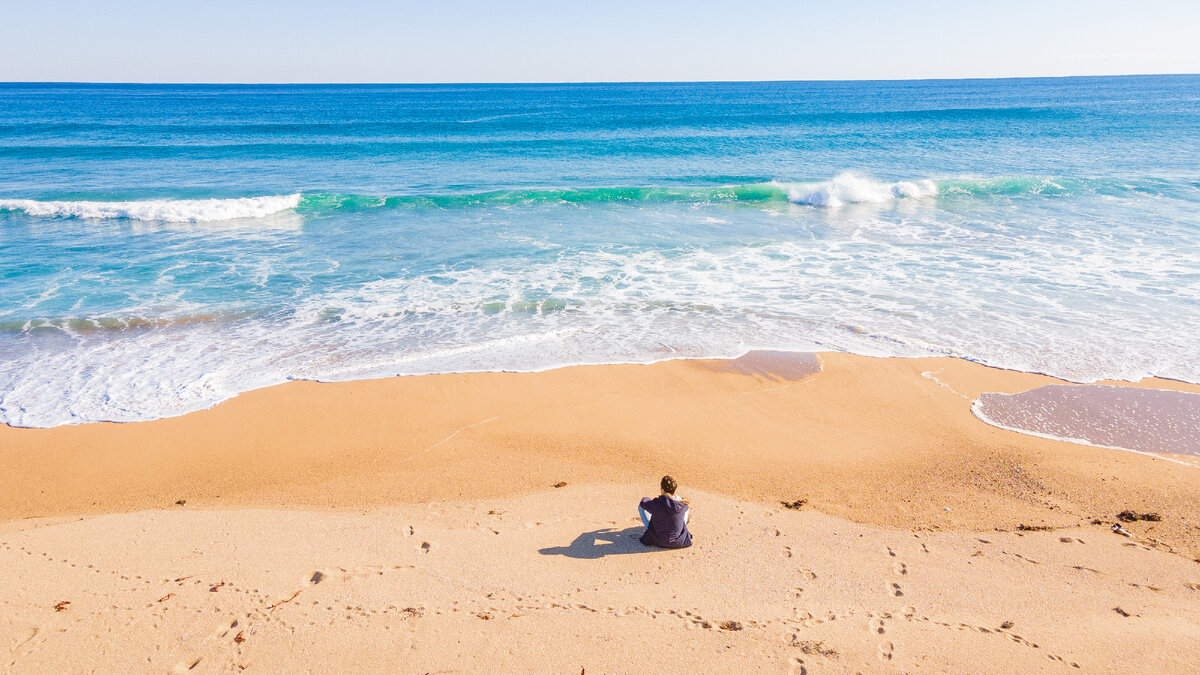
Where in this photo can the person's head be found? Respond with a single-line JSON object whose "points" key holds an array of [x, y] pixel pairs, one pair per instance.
{"points": [[669, 485]]}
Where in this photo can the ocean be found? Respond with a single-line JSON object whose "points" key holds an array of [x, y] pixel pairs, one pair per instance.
{"points": [[166, 247]]}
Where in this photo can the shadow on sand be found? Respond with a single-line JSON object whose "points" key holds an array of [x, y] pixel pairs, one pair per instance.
{"points": [[602, 542]]}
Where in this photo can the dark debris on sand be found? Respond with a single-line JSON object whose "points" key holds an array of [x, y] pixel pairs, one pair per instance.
{"points": [[561, 484], [730, 625], [1132, 516], [817, 648], [1033, 528], [795, 506]]}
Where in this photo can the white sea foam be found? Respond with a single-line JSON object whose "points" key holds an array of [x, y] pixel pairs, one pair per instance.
{"points": [[611, 307], [1091, 299], [852, 188], [161, 210]]}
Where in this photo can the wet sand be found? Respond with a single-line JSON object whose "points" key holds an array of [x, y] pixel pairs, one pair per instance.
{"points": [[1146, 420], [773, 365], [134, 524]]}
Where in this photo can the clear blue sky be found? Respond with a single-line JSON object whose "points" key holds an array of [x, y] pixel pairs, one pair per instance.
{"points": [[617, 40]]}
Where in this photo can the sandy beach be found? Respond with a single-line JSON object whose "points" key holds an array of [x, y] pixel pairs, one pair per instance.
{"points": [[412, 525]]}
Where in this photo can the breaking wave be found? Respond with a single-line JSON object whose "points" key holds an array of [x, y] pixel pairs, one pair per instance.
{"points": [[161, 210], [850, 188], [841, 190]]}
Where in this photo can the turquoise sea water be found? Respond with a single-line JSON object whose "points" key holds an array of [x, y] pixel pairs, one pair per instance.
{"points": [[165, 247]]}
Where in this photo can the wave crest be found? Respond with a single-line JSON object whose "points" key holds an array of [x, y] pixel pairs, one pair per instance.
{"points": [[852, 188], [160, 210], [845, 188]]}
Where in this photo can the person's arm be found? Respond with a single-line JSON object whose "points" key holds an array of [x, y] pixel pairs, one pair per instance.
{"points": [[644, 512]]}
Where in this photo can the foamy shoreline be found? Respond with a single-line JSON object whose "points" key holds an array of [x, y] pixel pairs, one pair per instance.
{"points": [[202, 397], [273, 432]]}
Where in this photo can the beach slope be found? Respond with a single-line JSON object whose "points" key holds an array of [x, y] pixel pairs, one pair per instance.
{"points": [[413, 524]]}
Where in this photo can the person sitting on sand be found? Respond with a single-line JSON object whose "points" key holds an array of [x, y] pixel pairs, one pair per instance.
{"points": [[665, 518]]}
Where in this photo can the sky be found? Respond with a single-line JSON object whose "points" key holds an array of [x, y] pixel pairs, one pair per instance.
{"points": [[565, 41]]}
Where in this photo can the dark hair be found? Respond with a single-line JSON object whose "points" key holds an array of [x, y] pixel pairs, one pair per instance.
{"points": [[669, 485]]}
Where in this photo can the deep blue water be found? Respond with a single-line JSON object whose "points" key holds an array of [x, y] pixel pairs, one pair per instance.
{"points": [[164, 247]]}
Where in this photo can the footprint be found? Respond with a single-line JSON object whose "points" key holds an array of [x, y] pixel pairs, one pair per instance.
{"points": [[900, 568], [891, 552], [808, 574], [426, 547], [1194, 587], [886, 649], [877, 625], [796, 666], [896, 591], [787, 552]]}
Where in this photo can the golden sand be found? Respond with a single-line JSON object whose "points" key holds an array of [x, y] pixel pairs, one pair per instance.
{"points": [[264, 490]]}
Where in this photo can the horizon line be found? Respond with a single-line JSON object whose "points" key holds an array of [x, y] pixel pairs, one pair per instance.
{"points": [[584, 82]]}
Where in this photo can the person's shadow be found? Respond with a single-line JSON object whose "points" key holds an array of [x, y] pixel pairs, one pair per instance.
{"points": [[602, 542]]}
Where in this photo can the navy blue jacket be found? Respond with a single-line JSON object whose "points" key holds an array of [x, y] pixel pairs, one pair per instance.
{"points": [[667, 527]]}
